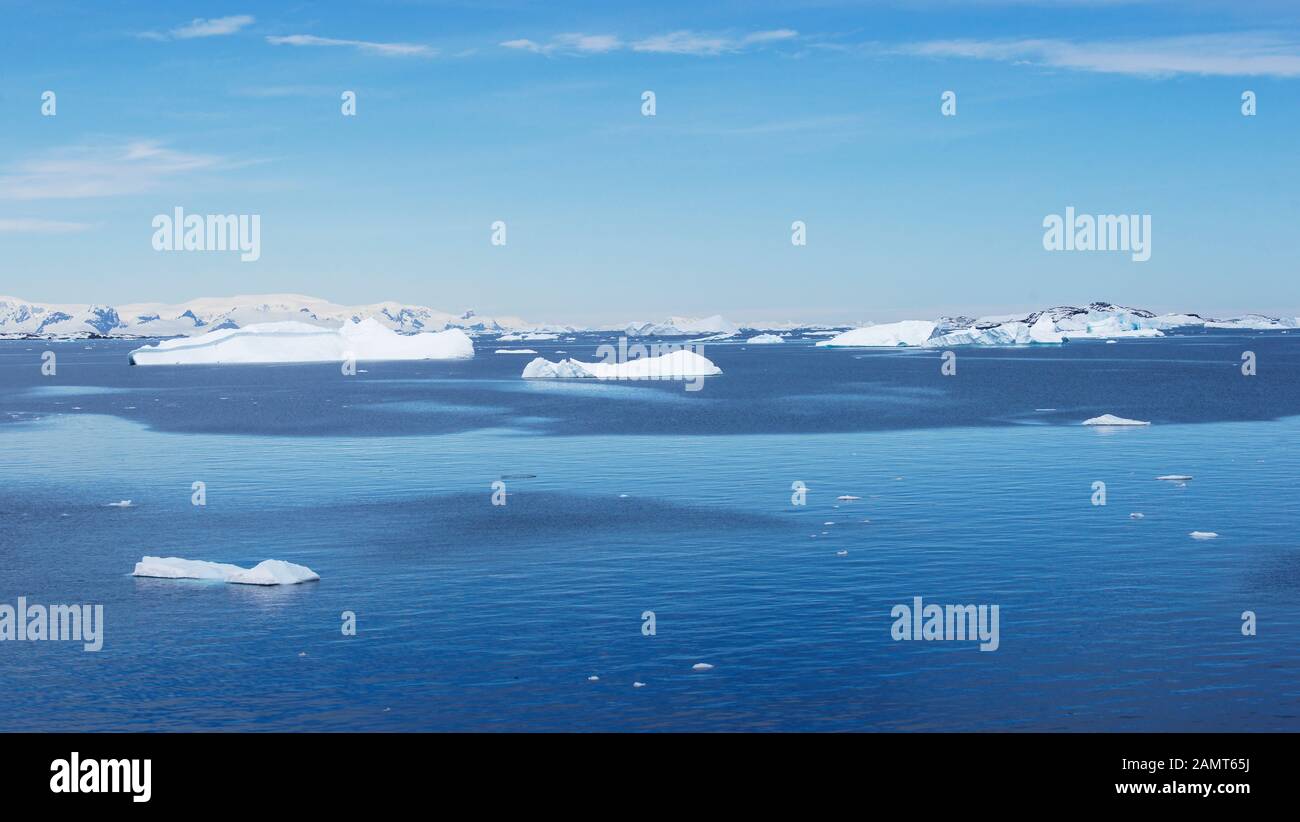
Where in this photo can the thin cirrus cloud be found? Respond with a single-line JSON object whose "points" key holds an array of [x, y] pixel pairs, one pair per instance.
{"points": [[26, 225], [201, 27], [99, 171], [382, 49], [1228, 55], [676, 42]]}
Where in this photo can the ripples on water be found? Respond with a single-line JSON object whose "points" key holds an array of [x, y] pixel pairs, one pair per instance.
{"points": [[646, 497]]}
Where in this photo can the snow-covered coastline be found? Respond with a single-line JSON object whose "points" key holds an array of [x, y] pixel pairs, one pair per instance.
{"points": [[24, 319]]}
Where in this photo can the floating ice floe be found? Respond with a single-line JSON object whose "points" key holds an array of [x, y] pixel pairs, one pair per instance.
{"points": [[540, 336], [1175, 477], [1203, 535], [677, 365], [286, 342], [638, 684], [1111, 419], [701, 666], [593, 679], [764, 339], [267, 572], [126, 503], [847, 497], [841, 553], [1137, 515], [515, 351]]}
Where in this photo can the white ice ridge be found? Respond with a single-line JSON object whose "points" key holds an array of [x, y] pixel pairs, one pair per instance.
{"points": [[1111, 419], [888, 335], [1050, 326], [282, 342], [765, 339], [677, 365], [267, 572]]}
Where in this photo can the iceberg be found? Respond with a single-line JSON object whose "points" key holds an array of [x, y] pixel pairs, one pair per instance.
{"points": [[1111, 419], [515, 351], [1203, 535], [887, 335], [765, 339], [267, 572], [677, 365], [285, 342]]}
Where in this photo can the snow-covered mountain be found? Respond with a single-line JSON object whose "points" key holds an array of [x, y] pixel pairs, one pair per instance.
{"points": [[682, 327], [22, 318]]}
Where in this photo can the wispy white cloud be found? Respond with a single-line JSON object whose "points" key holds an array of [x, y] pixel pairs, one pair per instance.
{"points": [[99, 171], [676, 42], [200, 27], [383, 49], [572, 43], [1243, 54], [25, 225]]}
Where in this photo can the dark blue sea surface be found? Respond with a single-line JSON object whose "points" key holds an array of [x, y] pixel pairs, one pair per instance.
{"points": [[630, 497]]}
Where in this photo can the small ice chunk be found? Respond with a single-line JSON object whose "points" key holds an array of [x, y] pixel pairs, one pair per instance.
{"points": [[1175, 477], [126, 503], [701, 666], [593, 679], [1136, 515], [1202, 535], [1111, 419], [841, 553], [847, 497], [638, 684]]}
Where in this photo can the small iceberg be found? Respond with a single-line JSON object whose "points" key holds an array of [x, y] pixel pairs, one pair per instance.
{"points": [[1175, 477], [1137, 515], [514, 351], [701, 666], [1203, 535], [126, 503], [267, 572], [847, 498], [1111, 419], [764, 339], [677, 365]]}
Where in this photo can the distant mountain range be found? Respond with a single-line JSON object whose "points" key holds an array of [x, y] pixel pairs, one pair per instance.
{"points": [[25, 319]]}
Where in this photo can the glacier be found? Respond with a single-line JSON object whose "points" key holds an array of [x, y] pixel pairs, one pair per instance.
{"points": [[285, 342], [267, 572]]}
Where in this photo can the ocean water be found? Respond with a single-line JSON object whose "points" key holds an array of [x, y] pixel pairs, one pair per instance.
{"points": [[624, 498]]}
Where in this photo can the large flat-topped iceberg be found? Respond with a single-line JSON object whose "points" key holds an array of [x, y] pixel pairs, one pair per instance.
{"points": [[267, 572], [887, 335], [284, 342], [676, 365]]}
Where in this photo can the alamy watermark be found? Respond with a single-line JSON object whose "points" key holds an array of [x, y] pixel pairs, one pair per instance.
{"points": [[212, 232], [1102, 232], [946, 622], [54, 623]]}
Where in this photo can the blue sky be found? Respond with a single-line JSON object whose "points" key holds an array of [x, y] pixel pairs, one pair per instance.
{"points": [[767, 112]]}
